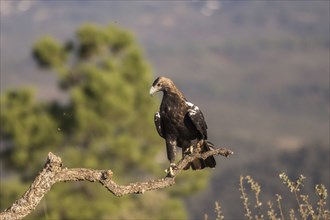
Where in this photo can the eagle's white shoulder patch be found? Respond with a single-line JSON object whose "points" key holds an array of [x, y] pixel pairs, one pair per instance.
{"points": [[157, 115], [192, 112], [193, 109], [192, 106]]}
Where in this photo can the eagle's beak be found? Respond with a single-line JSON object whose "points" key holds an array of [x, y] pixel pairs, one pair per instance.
{"points": [[153, 90]]}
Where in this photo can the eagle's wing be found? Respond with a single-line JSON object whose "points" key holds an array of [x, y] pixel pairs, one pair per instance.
{"points": [[197, 118], [158, 124], [170, 143]]}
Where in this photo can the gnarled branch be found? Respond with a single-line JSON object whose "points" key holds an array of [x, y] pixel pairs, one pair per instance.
{"points": [[54, 172]]}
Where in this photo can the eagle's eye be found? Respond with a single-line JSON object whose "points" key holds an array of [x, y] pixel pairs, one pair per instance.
{"points": [[158, 84]]}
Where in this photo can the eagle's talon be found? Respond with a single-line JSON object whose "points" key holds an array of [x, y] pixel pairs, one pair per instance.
{"points": [[170, 173], [189, 150], [173, 165], [170, 169]]}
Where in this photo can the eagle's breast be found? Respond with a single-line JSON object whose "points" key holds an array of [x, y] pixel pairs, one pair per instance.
{"points": [[174, 115]]}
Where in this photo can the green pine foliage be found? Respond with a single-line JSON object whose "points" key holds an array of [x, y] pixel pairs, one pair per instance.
{"points": [[106, 123], [26, 124], [49, 53]]}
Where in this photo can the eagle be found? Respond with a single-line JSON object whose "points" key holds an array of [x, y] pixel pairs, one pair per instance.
{"points": [[181, 124]]}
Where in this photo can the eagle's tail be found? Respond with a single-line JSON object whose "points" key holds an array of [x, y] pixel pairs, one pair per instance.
{"points": [[199, 163]]}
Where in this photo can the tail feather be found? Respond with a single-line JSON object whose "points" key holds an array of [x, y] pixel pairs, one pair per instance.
{"points": [[210, 161], [199, 163]]}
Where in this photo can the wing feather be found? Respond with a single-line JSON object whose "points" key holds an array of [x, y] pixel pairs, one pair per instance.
{"points": [[197, 118]]}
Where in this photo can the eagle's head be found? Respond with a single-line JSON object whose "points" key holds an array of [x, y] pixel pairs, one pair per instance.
{"points": [[161, 84]]}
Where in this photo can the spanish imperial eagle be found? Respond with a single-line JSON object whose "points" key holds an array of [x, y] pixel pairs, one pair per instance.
{"points": [[181, 124]]}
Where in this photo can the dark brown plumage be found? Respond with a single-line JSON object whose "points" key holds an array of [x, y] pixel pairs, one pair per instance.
{"points": [[181, 124]]}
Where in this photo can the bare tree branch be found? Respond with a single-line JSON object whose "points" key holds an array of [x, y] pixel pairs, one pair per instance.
{"points": [[54, 172]]}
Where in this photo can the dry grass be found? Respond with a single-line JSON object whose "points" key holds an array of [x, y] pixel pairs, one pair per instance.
{"points": [[254, 209]]}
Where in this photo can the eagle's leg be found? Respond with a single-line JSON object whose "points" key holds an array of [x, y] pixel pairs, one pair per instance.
{"points": [[187, 147], [199, 145], [196, 147], [171, 153]]}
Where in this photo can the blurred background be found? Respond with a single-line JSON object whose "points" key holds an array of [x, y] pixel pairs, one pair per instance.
{"points": [[75, 77]]}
